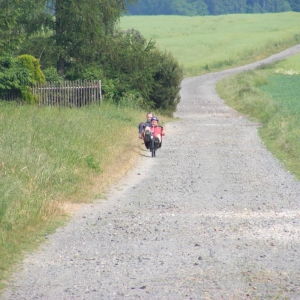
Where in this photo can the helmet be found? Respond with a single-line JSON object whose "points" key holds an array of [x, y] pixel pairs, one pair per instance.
{"points": [[154, 119]]}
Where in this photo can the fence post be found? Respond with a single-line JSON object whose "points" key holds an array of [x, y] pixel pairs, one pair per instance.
{"points": [[100, 91]]}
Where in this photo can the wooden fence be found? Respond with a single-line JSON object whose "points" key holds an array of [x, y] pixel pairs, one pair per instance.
{"points": [[10, 95], [68, 93]]}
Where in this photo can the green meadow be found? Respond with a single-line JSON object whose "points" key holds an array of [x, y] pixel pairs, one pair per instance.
{"points": [[211, 43], [53, 159], [270, 95]]}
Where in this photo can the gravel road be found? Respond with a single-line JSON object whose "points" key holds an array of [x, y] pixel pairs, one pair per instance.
{"points": [[213, 216]]}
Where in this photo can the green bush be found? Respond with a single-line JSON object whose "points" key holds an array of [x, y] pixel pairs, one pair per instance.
{"points": [[79, 72], [134, 65], [112, 90], [92, 73], [129, 63], [27, 96], [167, 79], [17, 74], [51, 74], [12, 75], [33, 65]]}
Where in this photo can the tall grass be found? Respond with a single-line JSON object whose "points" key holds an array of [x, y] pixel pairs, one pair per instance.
{"points": [[212, 43], [271, 95], [50, 157]]}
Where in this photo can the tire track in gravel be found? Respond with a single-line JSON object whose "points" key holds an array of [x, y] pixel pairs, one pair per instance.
{"points": [[213, 216]]}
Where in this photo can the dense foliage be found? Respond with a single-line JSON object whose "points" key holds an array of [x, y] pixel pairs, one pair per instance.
{"points": [[79, 40], [167, 77], [211, 7], [18, 74], [12, 74], [18, 21], [33, 65]]}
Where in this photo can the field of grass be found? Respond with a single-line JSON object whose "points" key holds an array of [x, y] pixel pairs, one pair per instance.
{"points": [[53, 158], [271, 95], [210, 43], [285, 91]]}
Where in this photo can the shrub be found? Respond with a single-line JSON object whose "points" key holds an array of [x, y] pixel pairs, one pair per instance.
{"points": [[128, 61], [27, 96], [79, 72], [33, 65], [112, 91], [167, 80], [17, 74], [135, 65], [12, 74], [51, 74], [92, 73]]}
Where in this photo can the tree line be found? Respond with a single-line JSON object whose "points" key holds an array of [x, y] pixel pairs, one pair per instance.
{"points": [[211, 7], [79, 39]]}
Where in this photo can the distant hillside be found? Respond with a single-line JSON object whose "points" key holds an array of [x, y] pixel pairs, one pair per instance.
{"points": [[211, 7]]}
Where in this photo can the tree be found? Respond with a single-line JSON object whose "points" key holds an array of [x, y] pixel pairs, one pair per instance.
{"points": [[295, 4], [81, 27], [58, 31], [151, 7], [188, 7], [167, 80], [10, 35], [131, 64], [19, 20], [127, 60], [212, 7]]}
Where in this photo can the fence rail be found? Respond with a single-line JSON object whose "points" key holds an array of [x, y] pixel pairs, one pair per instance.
{"points": [[68, 93]]}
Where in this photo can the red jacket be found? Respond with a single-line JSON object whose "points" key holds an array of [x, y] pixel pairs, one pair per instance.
{"points": [[157, 130]]}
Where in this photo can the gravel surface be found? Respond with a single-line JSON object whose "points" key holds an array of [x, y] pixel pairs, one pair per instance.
{"points": [[213, 216]]}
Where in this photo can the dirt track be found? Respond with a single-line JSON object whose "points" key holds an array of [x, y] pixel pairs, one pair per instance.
{"points": [[213, 216]]}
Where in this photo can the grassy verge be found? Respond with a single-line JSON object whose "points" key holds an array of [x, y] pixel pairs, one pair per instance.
{"points": [[53, 158], [211, 43], [271, 95]]}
